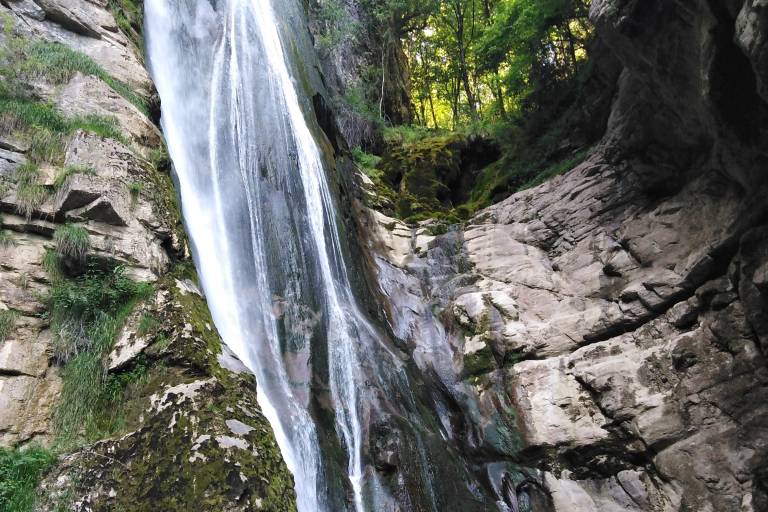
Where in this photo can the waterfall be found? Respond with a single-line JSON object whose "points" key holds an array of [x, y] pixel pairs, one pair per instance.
{"points": [[264, 230]]}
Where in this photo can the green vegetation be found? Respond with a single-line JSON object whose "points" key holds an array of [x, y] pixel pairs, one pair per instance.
{"points": [[6, 240], [52, 264], [367, 162], [135, 188], [129, 16], [30, 194], [72, 242], [148, 324], [57, 63], [40, 125], [514, 71], [8, 319], [70, 170], [20, 471], [86, 314], [46, 129]]}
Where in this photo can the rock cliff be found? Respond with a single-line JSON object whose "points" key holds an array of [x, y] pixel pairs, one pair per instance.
{"points": [[160, 415], [608, 328]]}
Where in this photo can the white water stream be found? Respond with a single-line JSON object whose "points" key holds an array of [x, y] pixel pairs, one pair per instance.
{"points": [[262, 221]]}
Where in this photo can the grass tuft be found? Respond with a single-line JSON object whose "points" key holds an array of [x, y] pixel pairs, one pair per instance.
{"points": [[30, 194], [52, 264], [62, 177], [148, 324], [72, 242], [8, 319], [135, 188], [6, 240], [20, 472]]}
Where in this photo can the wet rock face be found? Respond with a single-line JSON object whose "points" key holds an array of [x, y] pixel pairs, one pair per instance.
{"points": [[606, 331]]}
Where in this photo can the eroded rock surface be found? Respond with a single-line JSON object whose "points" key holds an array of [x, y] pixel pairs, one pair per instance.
{"points": [[605, 332]]}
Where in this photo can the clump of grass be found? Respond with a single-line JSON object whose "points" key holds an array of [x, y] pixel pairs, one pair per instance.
{"points": [[8, 319], [135, 188], [30, 194], [65, 173], [72, 242], [86, 315], [6, 240], [20, 472], [52, 264], [162, 341]]}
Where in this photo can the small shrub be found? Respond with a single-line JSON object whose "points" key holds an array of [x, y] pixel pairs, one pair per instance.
{"points": [[20, 472], [8, 319], [72, 242]]}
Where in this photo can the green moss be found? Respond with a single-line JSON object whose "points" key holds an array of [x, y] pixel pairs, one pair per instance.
{"points": [[187, 467], [172, 459], [20, 471], [479, 362]]}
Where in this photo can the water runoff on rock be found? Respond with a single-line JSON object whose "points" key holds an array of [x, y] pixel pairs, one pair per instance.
{"points": [[264, 229]]}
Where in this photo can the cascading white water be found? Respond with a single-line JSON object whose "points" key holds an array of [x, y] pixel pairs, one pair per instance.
{"points": [[262, 221]]}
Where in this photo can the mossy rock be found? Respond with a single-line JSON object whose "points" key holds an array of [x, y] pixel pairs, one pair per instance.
{"points": [[196, 439], [434, 174]]}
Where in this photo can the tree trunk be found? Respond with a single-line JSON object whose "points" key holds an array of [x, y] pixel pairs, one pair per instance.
{"points": [[432, 109]]}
